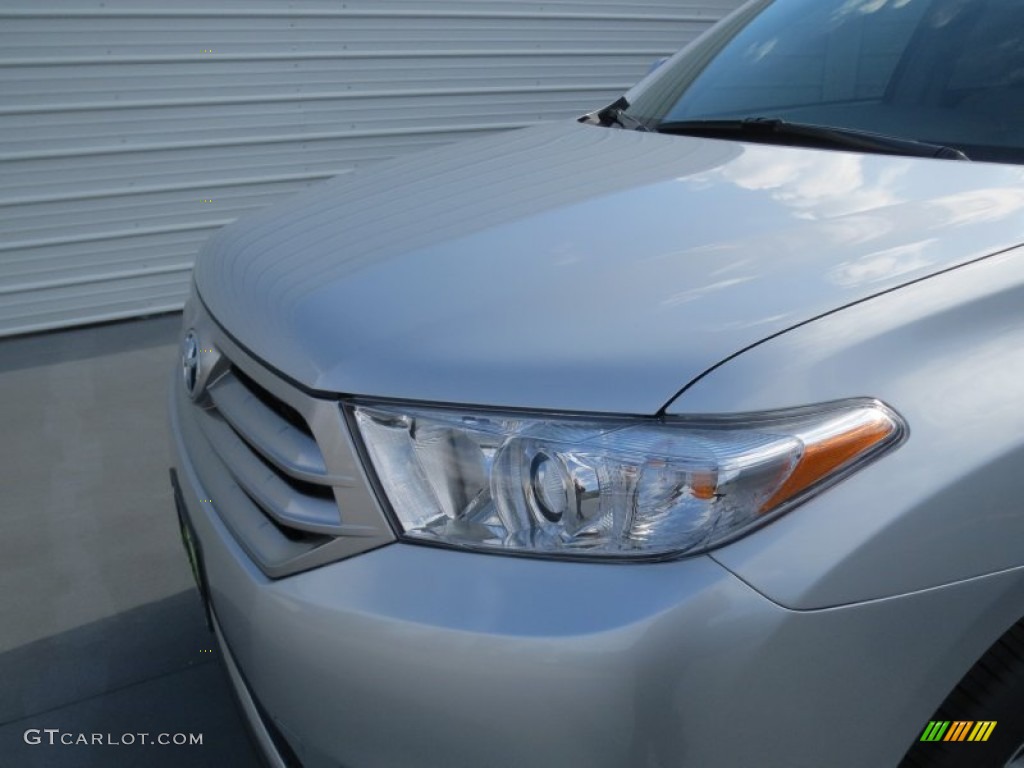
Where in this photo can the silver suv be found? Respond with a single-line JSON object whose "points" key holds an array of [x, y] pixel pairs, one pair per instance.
{"points": [[687, 433]]}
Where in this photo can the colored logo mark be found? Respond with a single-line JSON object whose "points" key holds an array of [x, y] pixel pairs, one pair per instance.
{"points": [[958, 730]]}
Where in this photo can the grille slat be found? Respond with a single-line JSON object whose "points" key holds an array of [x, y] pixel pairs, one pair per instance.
{"points": [[278, 498], [268, 544], [293, 451]]}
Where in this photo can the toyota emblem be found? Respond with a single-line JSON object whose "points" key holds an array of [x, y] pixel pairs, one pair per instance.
{"points": [[190, 362]]}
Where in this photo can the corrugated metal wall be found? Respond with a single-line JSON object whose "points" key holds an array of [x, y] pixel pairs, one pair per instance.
{"points": [[129, 130]]}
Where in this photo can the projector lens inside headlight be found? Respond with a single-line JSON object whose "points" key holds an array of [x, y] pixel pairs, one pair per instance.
{"points": [[607, 486]]}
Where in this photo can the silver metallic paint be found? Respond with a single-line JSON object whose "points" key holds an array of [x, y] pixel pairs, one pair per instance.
{"points": [[574, 267], [948, 354]]}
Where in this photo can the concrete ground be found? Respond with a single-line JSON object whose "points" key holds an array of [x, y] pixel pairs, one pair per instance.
{"points": [[101, 628]]}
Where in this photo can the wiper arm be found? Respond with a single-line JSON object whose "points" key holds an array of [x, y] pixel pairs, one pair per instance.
{"points": [[771, 129], [615, 113]]}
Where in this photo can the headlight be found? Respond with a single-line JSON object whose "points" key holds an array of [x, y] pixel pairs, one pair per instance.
{"points": [[605, 487]]}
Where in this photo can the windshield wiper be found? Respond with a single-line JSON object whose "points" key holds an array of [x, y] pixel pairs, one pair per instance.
{"points": [[616, 113], [774, 130]]}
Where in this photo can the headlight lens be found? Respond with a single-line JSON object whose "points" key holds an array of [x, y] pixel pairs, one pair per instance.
{"points": [[605, 487]]}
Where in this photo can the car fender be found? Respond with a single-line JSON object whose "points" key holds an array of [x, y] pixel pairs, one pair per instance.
{"points": [[947, 353]]}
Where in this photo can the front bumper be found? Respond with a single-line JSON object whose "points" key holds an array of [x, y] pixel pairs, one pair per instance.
{"points": [[409, 655]]}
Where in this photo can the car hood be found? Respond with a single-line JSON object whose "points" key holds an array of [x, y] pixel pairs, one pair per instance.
{"points": [[569, 266]]}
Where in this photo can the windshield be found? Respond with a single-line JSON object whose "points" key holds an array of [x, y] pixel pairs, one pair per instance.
{"points": [[946, 72]]}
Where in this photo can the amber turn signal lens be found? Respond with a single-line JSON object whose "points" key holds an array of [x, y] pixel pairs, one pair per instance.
{"points": [[824, 454]]}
